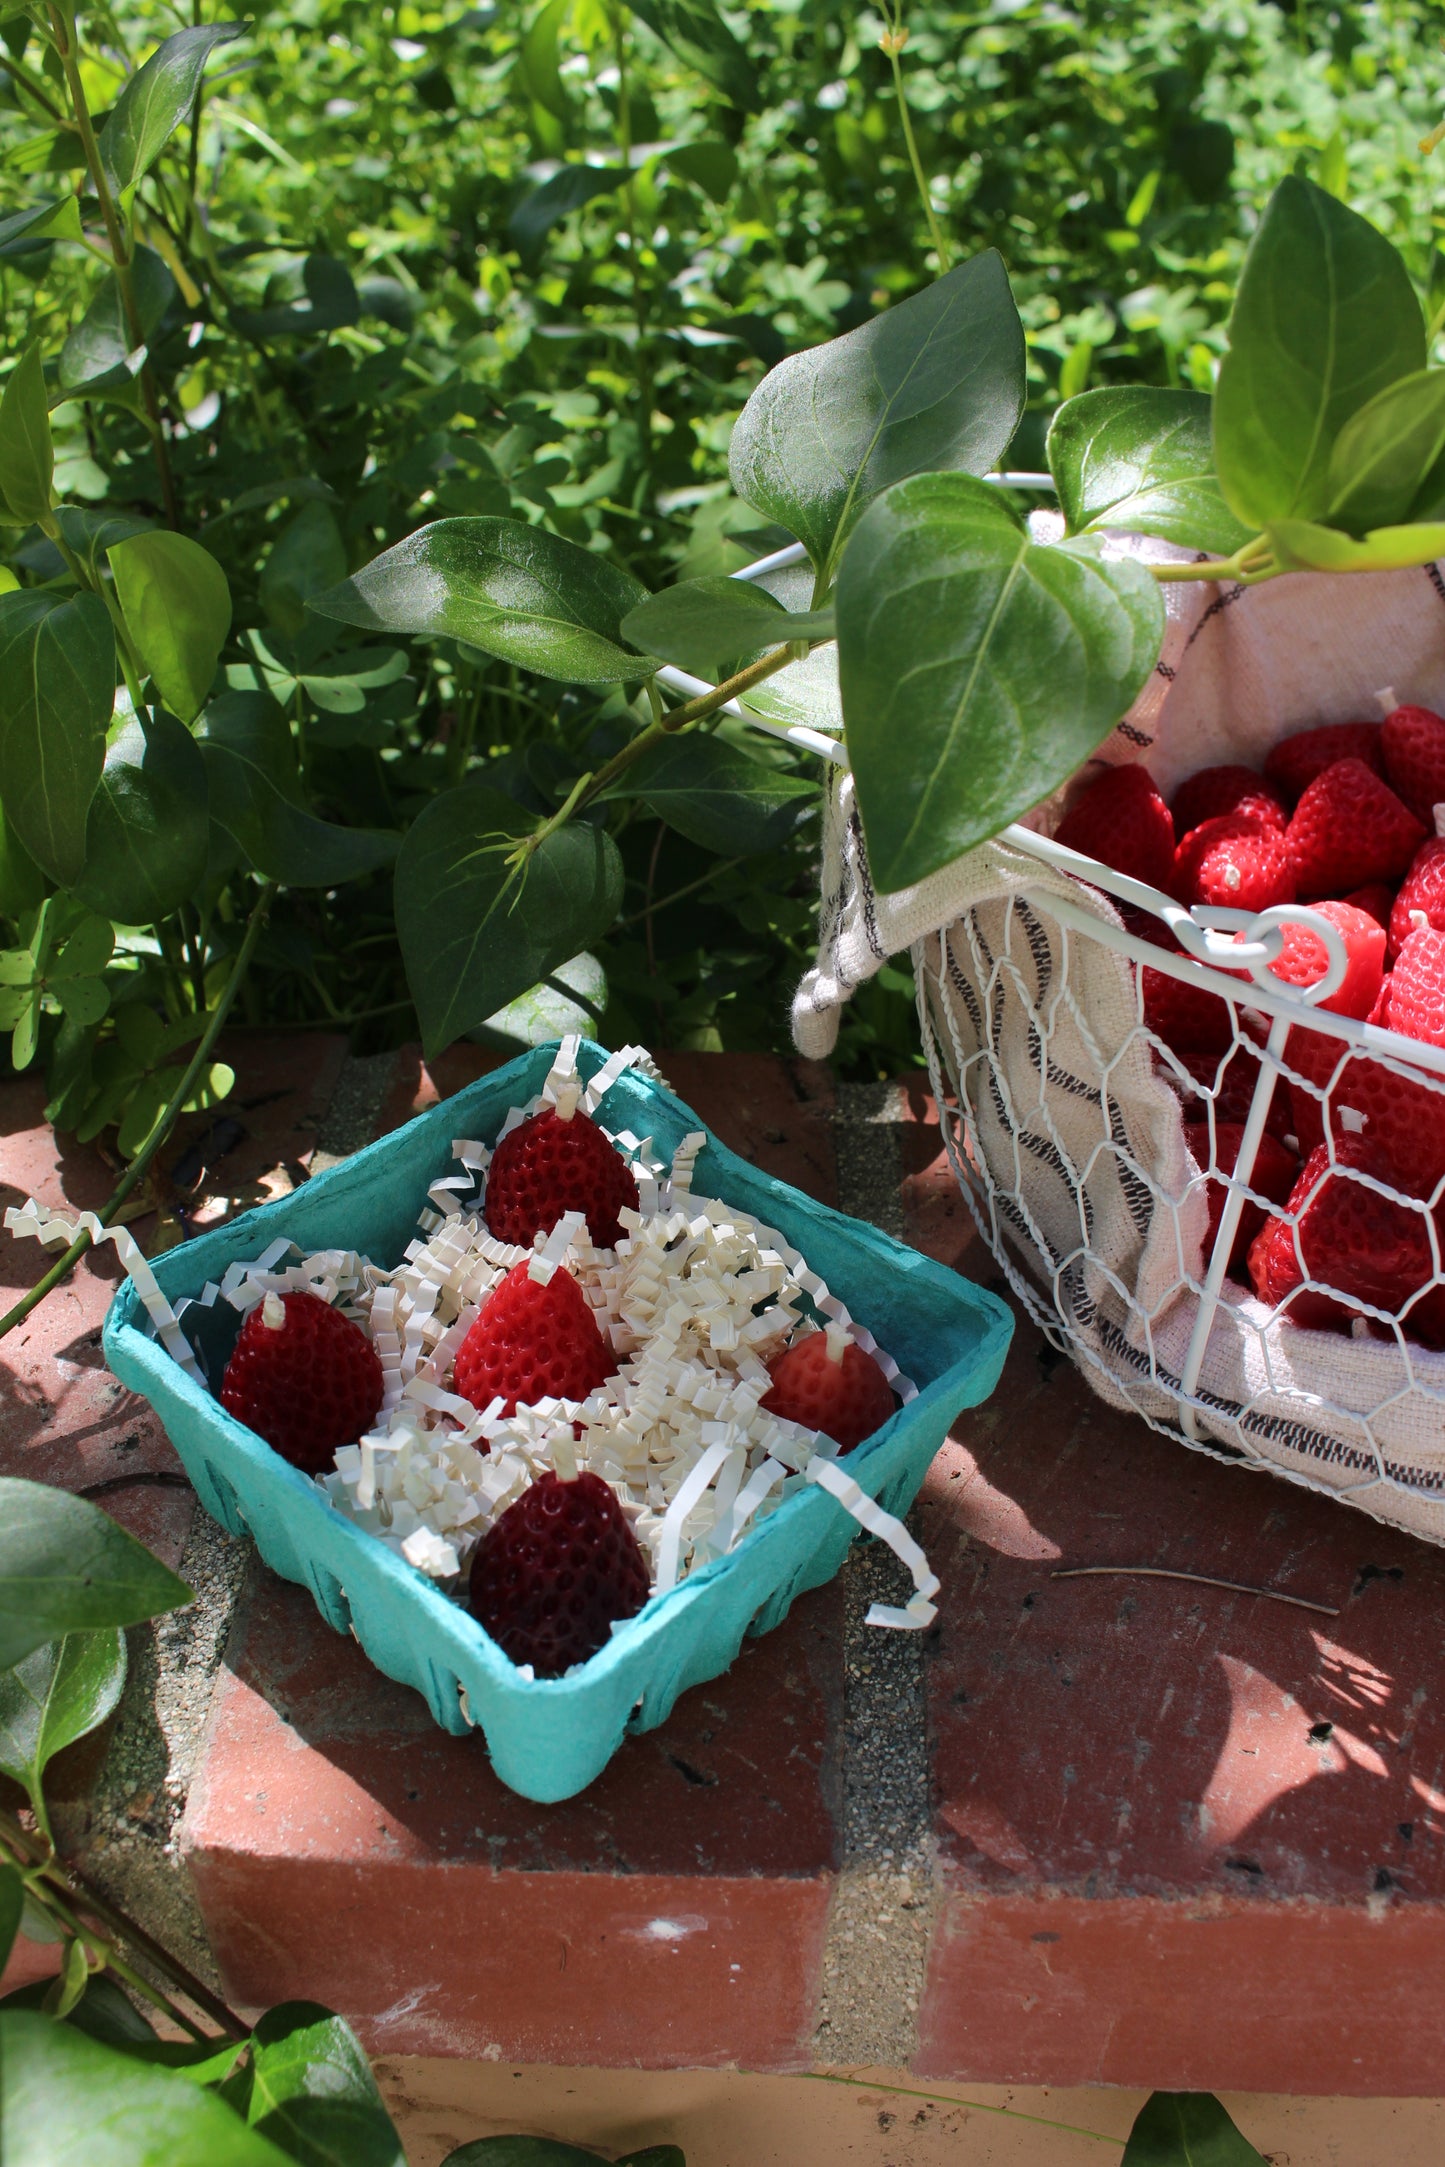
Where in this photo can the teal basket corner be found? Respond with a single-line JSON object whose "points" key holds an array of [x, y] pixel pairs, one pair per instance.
{"points": [[549, 1738]]}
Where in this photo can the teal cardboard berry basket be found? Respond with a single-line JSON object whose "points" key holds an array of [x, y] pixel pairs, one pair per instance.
{"points": [[548, 1738]]}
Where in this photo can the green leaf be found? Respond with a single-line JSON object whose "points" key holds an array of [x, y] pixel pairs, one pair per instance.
{"points": [[313, 2093], [199, 2061], [256, 797], [27, 457], [104, 2013], [935, 382], [1384, 453], [22, 884], [570, 998], [57, 689], [700, 38], [55, 1695], [146, 837], [717, 796], [1142, 459], [1187, 2129], [156, 100], [520, 2152], [515, 591], [556, 199], [1301, 546], [977, 668], [67, 2099], [1324, 319], [470, 940], [707, 624], [177, 607], [100, 358], [55, 221], [538, 58], [66, 1567], [315, 293], [70, 1982], [12, 1903], [710, 164], [308, 557]]}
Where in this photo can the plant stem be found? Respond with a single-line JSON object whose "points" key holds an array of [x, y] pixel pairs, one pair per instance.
{"points": [[678, 895], [892, 42], [629, 206], [27, 82], [83, 577], [1199, 1580], [62, 23], [66, 1263]]}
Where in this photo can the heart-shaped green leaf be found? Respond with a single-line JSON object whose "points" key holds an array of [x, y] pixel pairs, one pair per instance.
{"points": [[177, 607], [705, 625], [1385, 452], [1324, 319], [936, 382], [149, 824], [57, 689], [977, 668], [313, 2094], [256, 796], [158, 97], [27, 457], [1142, 459], [66, 1567], [1187, 2129], [55, 1695], [717, 796], [514, 591], [472, 939], [66, 2097]]}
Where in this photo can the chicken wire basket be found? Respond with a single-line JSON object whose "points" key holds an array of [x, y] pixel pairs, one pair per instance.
{"points": [[1090, 1148]]}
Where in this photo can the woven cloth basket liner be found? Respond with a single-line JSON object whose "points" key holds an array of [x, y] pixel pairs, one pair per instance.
{"points": [[1109, 1226], [549, 1738]]}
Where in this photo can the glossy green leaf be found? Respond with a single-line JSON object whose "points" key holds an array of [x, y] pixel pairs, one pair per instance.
{"points": [[471, 941], [1324, 319], [22, 884], [91, 533], [1384, 453], [198, 2061], [308, 557], [717, 796], [520, 2152], [1303, 547], [68, 2101], [1187, 2129], [177, 607], [12, 1904], [57, 688], [514, 591], [1142, 459], [706, 625], [313, 2094], [69, 1983], [101, 357], [545, 207], [314, 294], [539, 58], [55, 221], [66, 1567], [702, 40], [936, 382], [27, 457], [146, 837], [55, 1695], [103, 2013], [710, 164], [256, 797], [571, 997], [977, 668], [157, 98]]}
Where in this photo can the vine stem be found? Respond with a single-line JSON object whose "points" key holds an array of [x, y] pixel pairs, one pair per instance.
{"points": [[65, 1885], [65, 1264], [892, 42], [588, 788], [63, 31]]}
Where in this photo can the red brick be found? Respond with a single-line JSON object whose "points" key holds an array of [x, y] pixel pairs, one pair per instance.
{"points": [[776, 1114], [671, 1915], [1129, 1762]]}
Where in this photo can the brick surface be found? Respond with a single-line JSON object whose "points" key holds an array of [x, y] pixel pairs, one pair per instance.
{"points": [[1189, 1838]]}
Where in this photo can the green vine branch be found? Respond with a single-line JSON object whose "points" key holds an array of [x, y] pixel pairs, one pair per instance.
{"points": [[200, 1060]]}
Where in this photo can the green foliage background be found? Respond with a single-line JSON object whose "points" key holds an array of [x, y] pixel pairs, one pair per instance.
{"points": [[419, 262]]}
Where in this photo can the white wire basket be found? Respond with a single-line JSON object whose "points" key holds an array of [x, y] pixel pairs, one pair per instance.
{"points": [[1091, 1150]]}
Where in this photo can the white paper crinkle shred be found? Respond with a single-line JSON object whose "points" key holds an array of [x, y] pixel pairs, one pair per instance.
{"points": [[54, 1230]]}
